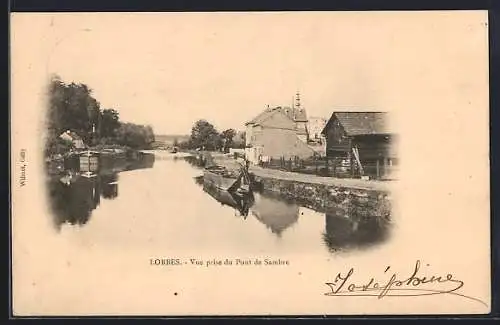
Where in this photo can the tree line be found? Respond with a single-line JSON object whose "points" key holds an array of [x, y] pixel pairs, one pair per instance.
{"points": [[72, 107], [205, 136]]}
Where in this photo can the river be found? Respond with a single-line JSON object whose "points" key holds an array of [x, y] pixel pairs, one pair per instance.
{"points": [[159, 203]]}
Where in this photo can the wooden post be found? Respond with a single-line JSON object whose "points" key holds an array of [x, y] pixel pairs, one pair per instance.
{"points": [[326, 166], [290, 164], [349, 157], [351, 164], [335, 167], [378, 168]]}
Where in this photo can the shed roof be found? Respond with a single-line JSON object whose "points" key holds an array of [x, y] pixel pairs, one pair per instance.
{"points": [[362, 123]]}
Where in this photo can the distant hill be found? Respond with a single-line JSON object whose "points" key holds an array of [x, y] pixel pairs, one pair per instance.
{"points": [[170, 138]]}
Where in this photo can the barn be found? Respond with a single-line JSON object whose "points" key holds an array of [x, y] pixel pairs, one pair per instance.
{"points": [[361, 142]]}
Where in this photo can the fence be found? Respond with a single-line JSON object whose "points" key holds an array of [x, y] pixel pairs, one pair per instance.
{"points": [[340, 168]]}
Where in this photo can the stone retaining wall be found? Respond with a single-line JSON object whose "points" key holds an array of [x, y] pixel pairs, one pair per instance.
{"points": [[351, 202]]}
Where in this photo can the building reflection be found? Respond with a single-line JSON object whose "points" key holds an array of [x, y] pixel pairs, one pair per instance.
{"points": [[276, 215], [274, 212], [346, 228], [73, 195], [109, 186]]}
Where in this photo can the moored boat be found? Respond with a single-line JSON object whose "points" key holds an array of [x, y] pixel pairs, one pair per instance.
{"points": [[220, 177], [239, 203]]}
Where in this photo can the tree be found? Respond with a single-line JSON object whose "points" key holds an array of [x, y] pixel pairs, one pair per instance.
{"points": [[205, 136], [227, 138], [110, 122], [239, 140], [72, 107], [135, 136]]}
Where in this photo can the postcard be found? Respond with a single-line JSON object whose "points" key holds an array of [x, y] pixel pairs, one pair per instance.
{"points": [[250, 163]]}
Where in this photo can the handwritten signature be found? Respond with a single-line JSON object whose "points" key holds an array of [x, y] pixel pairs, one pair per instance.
{"points": [[413, 286]]}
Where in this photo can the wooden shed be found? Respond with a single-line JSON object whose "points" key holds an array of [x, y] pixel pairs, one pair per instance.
{"points": [[361, 143]]}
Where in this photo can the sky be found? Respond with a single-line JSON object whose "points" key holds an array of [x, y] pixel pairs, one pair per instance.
{"points": [[170, 69]]}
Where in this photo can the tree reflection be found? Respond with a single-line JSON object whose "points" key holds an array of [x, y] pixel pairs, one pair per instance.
{"points": [[73, 201], [74, 195], [351, 227]]}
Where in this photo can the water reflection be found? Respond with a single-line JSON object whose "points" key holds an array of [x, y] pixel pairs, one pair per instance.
{"points": [[180, 206], [346, 227], [73, 201], [277, 215], [73, 195], [109, 185], [241, 203], [345, 230]]}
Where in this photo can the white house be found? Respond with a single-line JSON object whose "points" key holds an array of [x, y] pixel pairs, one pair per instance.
{"points": [[277, 132]]}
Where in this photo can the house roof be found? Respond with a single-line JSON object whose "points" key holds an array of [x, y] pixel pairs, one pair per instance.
{"points": [[295, 114], [262, 116], [72, 134], [361, 123]]}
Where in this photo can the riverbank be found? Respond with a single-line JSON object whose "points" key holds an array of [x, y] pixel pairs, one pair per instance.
{"points": [[363, 198], [109, 157], [349, 198], [229, 162]]}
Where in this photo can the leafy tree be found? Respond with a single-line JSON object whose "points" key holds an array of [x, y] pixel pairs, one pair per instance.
{"points": [[56, 145], [205, 136], [135, 136], [239, 140], [227, 138], [73, 107], [109, 124]]}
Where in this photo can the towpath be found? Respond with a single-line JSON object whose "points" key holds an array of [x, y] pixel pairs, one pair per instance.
{"points": [[313, 179], [229, 162]]}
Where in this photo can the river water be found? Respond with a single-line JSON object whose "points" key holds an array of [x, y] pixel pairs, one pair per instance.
{"points": [[158, 203]]}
